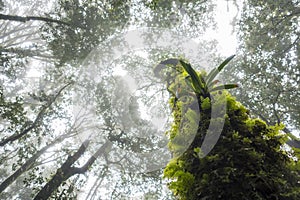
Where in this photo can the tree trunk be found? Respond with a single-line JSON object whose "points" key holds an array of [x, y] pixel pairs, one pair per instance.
{"points": [[28, 164], [66, 170]]}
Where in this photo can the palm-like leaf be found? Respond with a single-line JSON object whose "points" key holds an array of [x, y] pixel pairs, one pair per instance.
{"points": [[197, 84], [216, 71]]}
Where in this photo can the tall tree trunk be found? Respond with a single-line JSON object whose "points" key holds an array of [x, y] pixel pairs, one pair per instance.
{"points": [[28, 164], [66, 170]]}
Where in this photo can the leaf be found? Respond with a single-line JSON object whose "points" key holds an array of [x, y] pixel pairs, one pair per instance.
{"points": [[226, 86], [216, 71], [196, 82]]}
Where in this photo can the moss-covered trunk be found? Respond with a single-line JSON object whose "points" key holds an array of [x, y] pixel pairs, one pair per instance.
{"points": [[248, 161]]}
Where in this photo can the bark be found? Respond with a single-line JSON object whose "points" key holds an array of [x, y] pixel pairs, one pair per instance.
{"points": [[37, 120], [294, 143], [66, 170], [30, 18]]}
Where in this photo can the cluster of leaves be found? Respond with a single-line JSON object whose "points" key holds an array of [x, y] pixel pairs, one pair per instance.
{"points": [[11, 113], [91, 22], [11, 110], [248, 162], [191, 17], [269, 53], [12, 65]]}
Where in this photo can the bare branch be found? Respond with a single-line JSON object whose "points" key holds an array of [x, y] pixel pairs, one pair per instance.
{"points": [[27, 165], [66, 170], [29, 18], [37, 120]]}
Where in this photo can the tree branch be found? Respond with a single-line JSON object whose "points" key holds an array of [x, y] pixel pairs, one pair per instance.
{"points": [[26, 52], [30, 18], [27, 165], [39, 117], [66, 170], [62, 174]]}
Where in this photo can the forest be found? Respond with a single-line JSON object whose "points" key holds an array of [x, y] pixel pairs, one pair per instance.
{"points": [[150, 99]]}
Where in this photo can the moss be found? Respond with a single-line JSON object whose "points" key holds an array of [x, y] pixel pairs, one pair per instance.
{"points": [[205, 105], [248, 162]]}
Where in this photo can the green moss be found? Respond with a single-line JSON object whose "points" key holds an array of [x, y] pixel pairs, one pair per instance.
{"points": [[248, 162], [205, 105]]}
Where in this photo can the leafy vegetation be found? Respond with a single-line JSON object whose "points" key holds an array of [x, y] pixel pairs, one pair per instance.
{"points": [[268, 59]]}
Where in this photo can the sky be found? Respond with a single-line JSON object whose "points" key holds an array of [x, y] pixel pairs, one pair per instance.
{"points": [[225, 12]]}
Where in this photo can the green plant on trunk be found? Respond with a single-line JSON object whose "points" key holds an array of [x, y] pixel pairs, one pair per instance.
{"points": [[248, 161], [202, 87]]}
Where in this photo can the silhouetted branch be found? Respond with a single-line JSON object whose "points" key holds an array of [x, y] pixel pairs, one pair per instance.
{"points": [[28, 164], [66, 170], [30, 18], [39, 118]]}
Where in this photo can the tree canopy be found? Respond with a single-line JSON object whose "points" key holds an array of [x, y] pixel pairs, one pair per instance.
{"points": [[269, 60], [83, 114]]}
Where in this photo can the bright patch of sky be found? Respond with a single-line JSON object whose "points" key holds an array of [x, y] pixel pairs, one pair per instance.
{"points": [[227, 41]]}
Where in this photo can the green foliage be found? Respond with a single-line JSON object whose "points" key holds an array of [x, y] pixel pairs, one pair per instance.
{"points": [[12, 112], [191, 16], [183, 131], [61, 51], [248, 162], [269, 60], [199, 85], [212, 75], [97, 21]]}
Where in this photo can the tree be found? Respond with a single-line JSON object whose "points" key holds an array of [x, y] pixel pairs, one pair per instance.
{"points": [[34, 151], [17, 113], [67, 170], [42, 148], [188, 17], [248, 161], [97, 21], [29, 18], [268, 59]]}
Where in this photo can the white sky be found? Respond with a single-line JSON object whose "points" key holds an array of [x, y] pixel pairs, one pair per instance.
{"points": [[223, 34]]}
